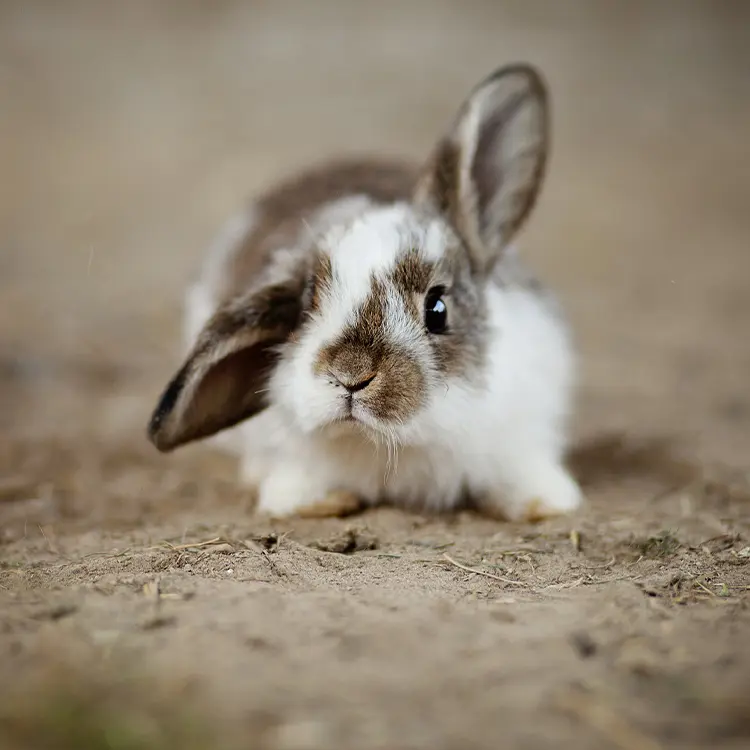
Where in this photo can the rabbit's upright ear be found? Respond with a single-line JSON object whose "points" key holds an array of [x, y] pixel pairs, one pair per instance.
{"points": [[485, 174], [225, 376]]}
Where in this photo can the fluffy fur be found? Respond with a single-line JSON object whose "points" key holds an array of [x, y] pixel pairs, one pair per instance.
{"points": [[351, 392]]}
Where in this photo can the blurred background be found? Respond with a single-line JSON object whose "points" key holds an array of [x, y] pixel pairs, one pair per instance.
{"points": [[130, 130]]}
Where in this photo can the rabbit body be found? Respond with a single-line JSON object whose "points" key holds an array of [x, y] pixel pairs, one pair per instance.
{"points": [[367, 329]]}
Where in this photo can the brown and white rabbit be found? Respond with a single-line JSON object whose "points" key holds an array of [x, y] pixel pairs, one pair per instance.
{"points": [[368, 334]]}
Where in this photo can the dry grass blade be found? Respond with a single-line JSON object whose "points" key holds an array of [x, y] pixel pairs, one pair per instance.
{"points": [[482, 572], [566, 584], [49, 539], [152, 589], [193, 545], [704, 588], [575, 540]]}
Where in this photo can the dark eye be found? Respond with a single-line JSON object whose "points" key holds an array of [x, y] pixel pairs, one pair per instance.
{"points": [[435, 310]]}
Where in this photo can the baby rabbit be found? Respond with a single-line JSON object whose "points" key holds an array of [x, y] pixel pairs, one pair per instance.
{"points": [[368, 335]]}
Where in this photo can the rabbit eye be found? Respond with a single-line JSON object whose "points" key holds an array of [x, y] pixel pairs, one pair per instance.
{"points": [[435, 310]]}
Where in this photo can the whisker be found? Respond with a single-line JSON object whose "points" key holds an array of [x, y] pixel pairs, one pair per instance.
{"points": [[310, 230]]}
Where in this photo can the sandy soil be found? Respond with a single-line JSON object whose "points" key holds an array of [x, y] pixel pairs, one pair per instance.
{"points": [[141, 603]]}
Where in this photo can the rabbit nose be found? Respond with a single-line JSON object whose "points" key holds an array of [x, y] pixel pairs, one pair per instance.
{"points": [[356, 384], [355, 370]]}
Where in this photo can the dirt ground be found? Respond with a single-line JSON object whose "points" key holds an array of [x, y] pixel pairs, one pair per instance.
{"points": [[142, 606]]}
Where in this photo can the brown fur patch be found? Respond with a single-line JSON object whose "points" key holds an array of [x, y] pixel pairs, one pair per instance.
{"points": [[320, 283], [363, 350], [412, 274], [446, 179], [461, 351], [383, 180], [402, 390], [281, 210], [437, 188], [461, 348], [270, 309]]}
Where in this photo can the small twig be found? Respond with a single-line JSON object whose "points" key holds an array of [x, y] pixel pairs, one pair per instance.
{"points": [[632, 579], [107, 554], [520, 550], [52, 547], [443, 546], [566, 584], [605, 566], [253, 546], [152, 590], [482, 572], [575, 539], [192, 545], [704, 587], [527, 559]]}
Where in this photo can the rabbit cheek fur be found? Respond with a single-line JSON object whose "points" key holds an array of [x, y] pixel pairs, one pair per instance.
{"points": [[325, 345]]}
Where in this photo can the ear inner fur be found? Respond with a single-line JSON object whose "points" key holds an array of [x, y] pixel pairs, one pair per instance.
{"points": [[223, 381], [485, 174], [486, 179]]}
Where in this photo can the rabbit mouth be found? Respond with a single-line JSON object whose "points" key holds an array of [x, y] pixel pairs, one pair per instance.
{"points": [[345, 425], [347, 419], [353, 413]]}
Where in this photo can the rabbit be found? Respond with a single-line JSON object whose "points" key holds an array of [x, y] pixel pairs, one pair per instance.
{"points": [[365, 332]]}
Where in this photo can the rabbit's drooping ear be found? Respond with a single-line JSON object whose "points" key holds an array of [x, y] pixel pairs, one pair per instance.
{"points": [[485, 174], [225, 377]]}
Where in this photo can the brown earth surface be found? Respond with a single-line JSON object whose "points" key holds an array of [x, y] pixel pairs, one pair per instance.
{"points": [[143, 606]]}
